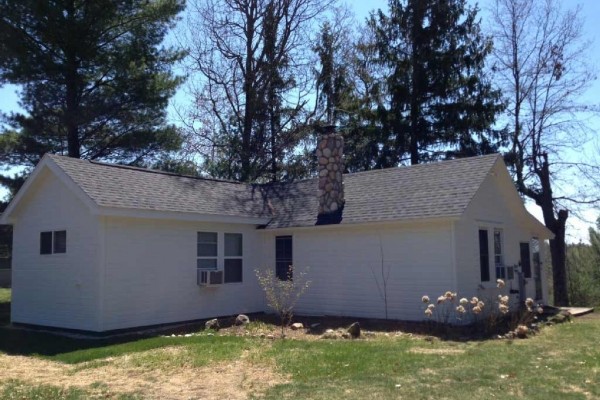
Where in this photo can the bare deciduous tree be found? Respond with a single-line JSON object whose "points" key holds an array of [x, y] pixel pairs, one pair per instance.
{"points": [[540, 64], [252, 79]]}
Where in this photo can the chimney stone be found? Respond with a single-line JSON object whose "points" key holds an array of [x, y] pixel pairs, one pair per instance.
{"points": [[330, 151]]}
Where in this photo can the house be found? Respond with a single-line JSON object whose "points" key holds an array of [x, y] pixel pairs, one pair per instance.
{"points": [[100, 247]]}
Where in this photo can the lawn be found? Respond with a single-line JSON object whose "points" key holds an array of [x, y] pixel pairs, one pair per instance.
{"points": [[563, 361]]}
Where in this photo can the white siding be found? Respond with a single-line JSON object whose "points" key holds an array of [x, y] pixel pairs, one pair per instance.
{"points": [[150, 275], [489, 209], [59, 290], [345, 268]]}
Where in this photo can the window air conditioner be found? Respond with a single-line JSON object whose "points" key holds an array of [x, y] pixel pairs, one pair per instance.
{"points": [[209, 278]]}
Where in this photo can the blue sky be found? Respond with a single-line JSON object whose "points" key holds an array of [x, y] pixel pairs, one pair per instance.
{"points": [[591, 11]]}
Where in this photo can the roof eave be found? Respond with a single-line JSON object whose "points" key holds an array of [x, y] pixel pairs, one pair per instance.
{"points": [[391, 222]]}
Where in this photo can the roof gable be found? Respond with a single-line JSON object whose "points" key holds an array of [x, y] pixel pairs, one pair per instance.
{"points": [[46, 164], [511, 197]]}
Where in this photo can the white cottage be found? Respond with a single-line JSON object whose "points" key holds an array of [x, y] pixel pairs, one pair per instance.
{"points": [[101, 247]]}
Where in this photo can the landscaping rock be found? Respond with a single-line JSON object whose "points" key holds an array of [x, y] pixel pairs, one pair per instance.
{"points": [[563, 316], [354, 330], [297, 325], [242, 320], [369, 334], [212, 324], [346, 335]]}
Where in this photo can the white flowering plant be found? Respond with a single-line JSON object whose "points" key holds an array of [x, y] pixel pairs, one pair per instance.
{"points": [[494, 314]]}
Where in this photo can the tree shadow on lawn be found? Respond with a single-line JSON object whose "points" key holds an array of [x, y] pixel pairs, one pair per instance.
{"points": [[48, 342]]}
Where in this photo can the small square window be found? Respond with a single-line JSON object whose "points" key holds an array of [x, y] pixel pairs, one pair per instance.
{"points": [[46, 243], [60, 242]]}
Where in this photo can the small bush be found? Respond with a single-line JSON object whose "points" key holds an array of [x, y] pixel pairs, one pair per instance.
{"points": [[283, 294]]}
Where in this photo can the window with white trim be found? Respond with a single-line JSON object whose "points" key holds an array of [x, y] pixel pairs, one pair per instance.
{"points": [[233, 258], [227, 256], [207, 250], [53, 242]]}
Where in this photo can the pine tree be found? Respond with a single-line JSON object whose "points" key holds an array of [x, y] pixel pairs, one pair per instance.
{"points": [[439, 102], [95, 79]]}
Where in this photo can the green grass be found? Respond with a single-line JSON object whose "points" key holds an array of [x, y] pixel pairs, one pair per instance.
{"points": [[563, 361], [204, 348]]}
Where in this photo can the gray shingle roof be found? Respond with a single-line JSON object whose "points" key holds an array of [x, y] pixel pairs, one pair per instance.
{"points": [[441, 189]]}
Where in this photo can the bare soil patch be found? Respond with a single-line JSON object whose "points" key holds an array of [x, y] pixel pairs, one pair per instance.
{"points": [[423, 350], [234, 380]]}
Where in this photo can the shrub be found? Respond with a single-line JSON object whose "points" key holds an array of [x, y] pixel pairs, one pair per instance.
{"points": [[282, 295]]}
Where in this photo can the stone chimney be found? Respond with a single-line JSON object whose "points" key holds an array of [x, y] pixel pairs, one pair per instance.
{"points": [[330, 151]]}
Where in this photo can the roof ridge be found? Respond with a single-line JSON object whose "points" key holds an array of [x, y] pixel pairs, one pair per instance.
{"points": [[424, 165], [147, 170]]}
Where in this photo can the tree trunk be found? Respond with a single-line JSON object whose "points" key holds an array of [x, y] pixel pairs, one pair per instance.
{"points": [[250, 105], [557, 225], [415, 101], [558, 252], [72, 88]]}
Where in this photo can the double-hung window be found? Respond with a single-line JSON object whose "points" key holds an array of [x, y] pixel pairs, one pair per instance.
{"points": [[233, 260], [218, 251], [283, 257], [53, 242]]}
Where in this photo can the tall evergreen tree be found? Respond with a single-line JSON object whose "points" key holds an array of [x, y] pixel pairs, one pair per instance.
{"points": [[439, 102], [95, 79], [335, 90]]}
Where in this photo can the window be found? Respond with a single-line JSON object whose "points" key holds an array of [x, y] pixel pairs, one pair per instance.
{"points": [[498, 254], [53, 242], [283, 257], [207, 250], [525, 259], [60, 242], [229, 258], [233, 262], [46, 243], [484, 255]]}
